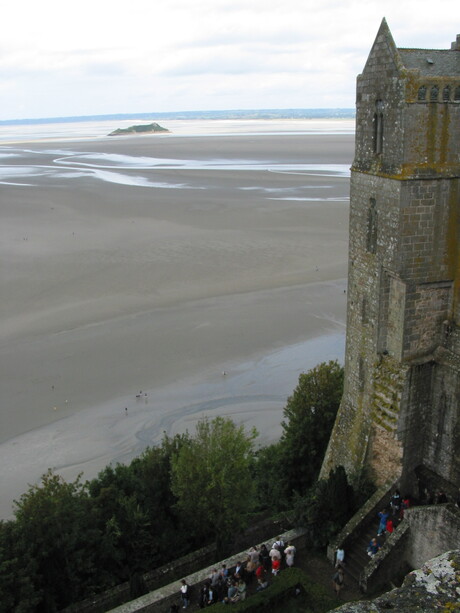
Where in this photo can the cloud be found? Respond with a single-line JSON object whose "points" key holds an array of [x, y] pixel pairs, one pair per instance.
{"points": [[105, 57]]}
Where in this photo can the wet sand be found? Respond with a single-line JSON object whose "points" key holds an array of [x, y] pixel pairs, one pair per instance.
{"points": [[157, 264]]}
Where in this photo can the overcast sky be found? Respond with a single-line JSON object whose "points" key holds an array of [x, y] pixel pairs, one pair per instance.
{"points": [[91, 57]]}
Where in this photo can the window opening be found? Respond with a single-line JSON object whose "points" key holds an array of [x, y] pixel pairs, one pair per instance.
{"points": [[378, 127], [372, 227], [422, 93]]}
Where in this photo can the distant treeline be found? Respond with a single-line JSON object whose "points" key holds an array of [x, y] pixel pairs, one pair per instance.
{"points": [[231, 114]]}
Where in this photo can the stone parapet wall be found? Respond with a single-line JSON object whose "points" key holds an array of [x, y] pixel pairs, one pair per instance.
{"points": [[433, 530]]}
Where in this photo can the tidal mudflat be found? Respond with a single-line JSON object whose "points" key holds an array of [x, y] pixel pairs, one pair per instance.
{"points": [[155, 264]]}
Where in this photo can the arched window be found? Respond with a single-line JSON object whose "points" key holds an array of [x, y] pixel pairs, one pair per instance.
{"points": [[434, 93], [446, 93], [422, 93], [372, 220], [378, 127]]}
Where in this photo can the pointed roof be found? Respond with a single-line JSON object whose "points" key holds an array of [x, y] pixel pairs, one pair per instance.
{"points": [[384, 39]]}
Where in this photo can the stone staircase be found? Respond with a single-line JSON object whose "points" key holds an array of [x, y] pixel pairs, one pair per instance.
{"points": [[356, 556], [356, 535]]}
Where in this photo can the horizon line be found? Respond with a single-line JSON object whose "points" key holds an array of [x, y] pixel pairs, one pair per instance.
{"points": [[322, 112]]}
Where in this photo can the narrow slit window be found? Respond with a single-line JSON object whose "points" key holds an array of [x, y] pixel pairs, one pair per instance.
{"points": [[378, 127], [372, 219], [361, 374]]}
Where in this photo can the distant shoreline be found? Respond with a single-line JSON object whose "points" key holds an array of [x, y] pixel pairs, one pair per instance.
{"points": [[262, 114]]}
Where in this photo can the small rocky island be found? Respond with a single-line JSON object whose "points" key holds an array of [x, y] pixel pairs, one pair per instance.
{"points": [[151, 128]]}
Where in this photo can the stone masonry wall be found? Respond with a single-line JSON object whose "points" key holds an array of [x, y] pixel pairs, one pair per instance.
{"points": [[442, 439], [433, 530], [404, 270], [432, 127]]}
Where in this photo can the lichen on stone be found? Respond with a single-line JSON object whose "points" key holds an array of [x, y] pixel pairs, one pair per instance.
{"points": [[434, 587]]}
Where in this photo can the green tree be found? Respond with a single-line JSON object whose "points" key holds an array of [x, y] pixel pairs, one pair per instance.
{"points": [[19, 585], [211, 479], [134, 507], [268, 477], [308, 420], [54, 521]]}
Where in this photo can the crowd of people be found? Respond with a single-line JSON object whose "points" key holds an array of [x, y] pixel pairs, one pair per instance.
{"points": [[388, 520], [230, 585]]}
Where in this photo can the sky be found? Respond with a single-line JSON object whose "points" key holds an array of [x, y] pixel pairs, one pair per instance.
{"points": [[93, 57]]}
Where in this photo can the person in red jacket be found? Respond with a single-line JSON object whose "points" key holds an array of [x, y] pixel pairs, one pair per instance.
{"points": [[276, 564]]}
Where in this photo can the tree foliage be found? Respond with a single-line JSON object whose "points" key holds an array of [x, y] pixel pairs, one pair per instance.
{"points": [[55, 531], [211, 478], [69, 541], [308, 420]]}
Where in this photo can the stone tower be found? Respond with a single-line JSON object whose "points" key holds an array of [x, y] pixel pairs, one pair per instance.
{"points": [[400, 407]]}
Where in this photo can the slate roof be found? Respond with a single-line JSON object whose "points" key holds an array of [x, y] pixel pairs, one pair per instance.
{"points": [[432, 62]]}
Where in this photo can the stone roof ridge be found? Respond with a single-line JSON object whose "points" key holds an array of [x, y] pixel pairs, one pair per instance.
{"points": [[424, 49]]}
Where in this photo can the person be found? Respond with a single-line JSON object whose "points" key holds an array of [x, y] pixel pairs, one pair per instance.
{"points": [[263, 584], [383, 515], [290, 552], [395, 503], [275, 554], [260, 571], [185, 593], [339, 557], [238, 572], [338, 581], [276, 566], [224, 572], [441, 497], [241, 591], [205, 595], [264, 557], [373, 547], [231, 592], [215, 577], [251, 565], [253, 555], [389, 527], [278, 544], [405, 504]]}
